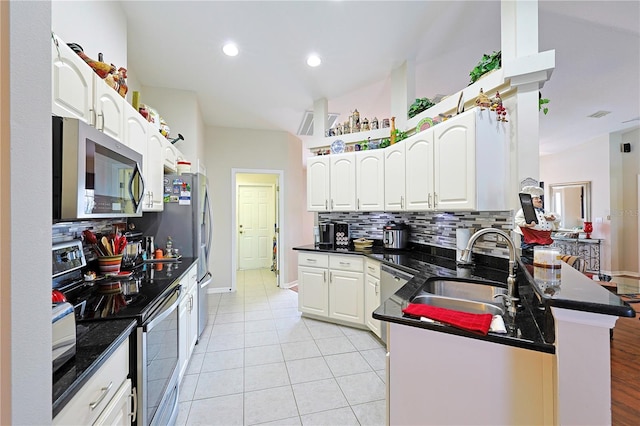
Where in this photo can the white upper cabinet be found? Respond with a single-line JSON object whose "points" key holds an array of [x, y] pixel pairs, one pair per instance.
{"points": [[71, 83], [154, 172], [394, 177], [170, 156], [78, 92], [109, 106], [471, 162], [419, 171], [318, 184], [370, 180], [343, 182]]}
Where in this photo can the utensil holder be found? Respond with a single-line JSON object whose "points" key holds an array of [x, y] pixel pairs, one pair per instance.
{"points": [[110, 264]]}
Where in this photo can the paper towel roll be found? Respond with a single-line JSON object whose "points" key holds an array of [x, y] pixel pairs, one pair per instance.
{"points": [[462, 239]]}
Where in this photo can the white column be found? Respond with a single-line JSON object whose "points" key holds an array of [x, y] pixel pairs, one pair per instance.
{"points": [[583, 367], [403, 89], [320, 116]]}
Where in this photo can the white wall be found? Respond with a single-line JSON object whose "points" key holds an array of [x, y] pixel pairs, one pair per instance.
{"points": [[614, 198], [28, 205], [181, 111], [228, 148], [97, 26], [588, 162]]}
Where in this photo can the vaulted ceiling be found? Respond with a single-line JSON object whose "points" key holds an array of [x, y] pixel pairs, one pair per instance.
{"points": [[177, 44]]}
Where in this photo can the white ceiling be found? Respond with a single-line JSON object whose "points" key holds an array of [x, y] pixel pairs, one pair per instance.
{"points": [[177, 44]]}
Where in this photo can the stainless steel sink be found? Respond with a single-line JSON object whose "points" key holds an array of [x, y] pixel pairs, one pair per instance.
{"points": [[475, 297], [464, 289], [462, 305]]}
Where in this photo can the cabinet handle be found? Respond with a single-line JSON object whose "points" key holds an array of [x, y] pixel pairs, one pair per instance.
{"points": [[92, 119], [358, 204], [402, 202], [326, 204], [324, 276], [134, 401], [429, 201], [311, 260], [104, 391], [371, 268], [100, 115], [345, 263], [377, 288], [330, 277], [435, 200], [332, 204]]}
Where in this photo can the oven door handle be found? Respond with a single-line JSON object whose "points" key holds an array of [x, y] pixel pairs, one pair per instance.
{"points": [[166, 311]]}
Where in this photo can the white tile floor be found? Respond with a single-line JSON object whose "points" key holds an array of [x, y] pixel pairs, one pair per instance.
{"points": [[259, 362]]}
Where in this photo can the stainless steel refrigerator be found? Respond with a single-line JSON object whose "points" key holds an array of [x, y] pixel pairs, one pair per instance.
{"points": [[186, 218]]}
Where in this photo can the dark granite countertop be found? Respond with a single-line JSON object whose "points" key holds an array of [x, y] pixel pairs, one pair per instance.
{"points": [[96, 341], [532, 328]]}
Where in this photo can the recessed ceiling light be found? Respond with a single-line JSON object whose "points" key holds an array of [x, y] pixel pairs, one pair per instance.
{"points": [[313, 60], [230, 49]]}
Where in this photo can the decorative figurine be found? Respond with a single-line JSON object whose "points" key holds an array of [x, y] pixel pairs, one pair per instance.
{"points": [[365, 125], [482, 100], [374, 123], [501, 111]]}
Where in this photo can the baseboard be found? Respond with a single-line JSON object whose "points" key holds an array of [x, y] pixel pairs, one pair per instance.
{"points": [[289, 285]]}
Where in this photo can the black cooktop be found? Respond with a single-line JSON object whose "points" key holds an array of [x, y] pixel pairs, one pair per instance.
{"points": [[134, 296]]}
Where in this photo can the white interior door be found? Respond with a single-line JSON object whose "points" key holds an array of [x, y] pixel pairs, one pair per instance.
{"points": [[256, 217]]}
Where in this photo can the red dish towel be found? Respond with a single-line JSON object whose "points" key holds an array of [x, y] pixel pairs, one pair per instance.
{"points": [[477, 323]]}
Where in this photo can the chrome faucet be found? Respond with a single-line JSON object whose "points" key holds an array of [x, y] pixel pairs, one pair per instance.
{"points": [[511, 298]]}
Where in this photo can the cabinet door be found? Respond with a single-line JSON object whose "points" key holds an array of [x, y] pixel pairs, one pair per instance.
{"points": [[343, 182], [135, 130], [183, 326], [370, 180], [170, 157], [109, 107], [119, 410], [419, 171], [71, 83], [192, 337], [313, 291], [394, 177], [318, 184], [371, 303], [455, 164], [154, 172], [346, 296]]}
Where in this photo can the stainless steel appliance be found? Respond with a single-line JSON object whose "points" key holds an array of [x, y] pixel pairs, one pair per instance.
{"points": [[391, 280], [186, 218], [94, 176], [395, 235], [63, 330], [342, 237], [326, 232]]}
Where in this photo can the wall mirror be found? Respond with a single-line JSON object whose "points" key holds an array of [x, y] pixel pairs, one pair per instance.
{"points": [[572, 201]]}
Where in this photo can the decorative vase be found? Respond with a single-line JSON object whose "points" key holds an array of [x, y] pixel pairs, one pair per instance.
{"points": [[588, 229]]}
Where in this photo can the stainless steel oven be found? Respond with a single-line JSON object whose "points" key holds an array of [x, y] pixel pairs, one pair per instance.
{"points": [[157, 371]]}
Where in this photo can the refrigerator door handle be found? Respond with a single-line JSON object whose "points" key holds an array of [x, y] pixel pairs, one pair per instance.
{"points": [[206, 280], [207, 219]]}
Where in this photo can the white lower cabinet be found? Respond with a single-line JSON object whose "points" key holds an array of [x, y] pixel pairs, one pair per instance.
{"points": [[106, 398], [331, 286], [372, 296], [188, 318], [119, 411]]}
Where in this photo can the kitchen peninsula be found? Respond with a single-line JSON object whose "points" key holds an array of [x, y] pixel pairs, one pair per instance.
{"points": [[534, 373]]}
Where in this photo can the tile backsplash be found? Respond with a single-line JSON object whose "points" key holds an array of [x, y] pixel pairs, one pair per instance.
{"points": [[68, 231], [432, 228]]}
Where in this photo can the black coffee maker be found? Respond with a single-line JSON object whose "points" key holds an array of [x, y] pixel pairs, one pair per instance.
{"points": [[326, 235]]}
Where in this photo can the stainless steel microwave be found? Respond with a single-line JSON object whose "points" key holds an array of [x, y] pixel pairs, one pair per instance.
{"points": [[94, 175]]}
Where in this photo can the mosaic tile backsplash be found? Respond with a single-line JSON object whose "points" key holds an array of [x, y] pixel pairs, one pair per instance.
{"points": [[432, 228]]}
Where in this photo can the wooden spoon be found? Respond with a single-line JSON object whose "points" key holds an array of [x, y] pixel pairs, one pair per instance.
{"points": [[107, 246]]}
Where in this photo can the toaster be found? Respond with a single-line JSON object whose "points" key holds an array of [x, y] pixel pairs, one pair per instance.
{"points": [[63, 325]]}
